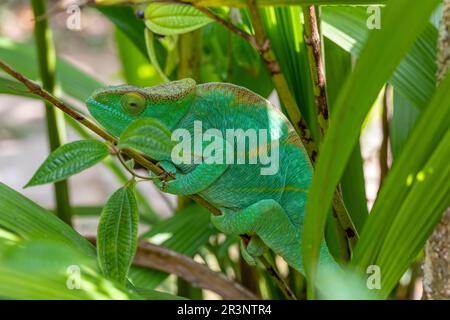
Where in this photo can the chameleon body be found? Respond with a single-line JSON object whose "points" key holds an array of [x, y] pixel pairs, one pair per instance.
{"points": [[269, 208]]}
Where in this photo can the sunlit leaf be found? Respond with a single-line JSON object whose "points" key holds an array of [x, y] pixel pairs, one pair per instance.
{"points": [[51, 270], [169, 19]]}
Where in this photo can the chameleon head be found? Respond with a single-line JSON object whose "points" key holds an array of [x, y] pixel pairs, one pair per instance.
{"points": [[115, 107]]}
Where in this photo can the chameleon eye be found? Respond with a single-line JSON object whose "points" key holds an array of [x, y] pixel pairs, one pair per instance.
{"points": [[133, 103]]}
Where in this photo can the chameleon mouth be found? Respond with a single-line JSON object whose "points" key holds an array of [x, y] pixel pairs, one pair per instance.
{"points": [[110, 118]]}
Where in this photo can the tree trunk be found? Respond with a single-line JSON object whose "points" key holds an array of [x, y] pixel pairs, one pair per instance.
{"points": [[436, 269]]}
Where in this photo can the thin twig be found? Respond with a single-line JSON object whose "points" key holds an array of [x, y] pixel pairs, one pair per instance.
{"points": [[312, 40], [131, 171], [243, 34]]}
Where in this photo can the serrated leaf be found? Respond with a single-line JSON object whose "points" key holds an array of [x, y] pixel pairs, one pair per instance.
{"points": [[169, 19], [149, 136], [117, 233], [69, 159]]}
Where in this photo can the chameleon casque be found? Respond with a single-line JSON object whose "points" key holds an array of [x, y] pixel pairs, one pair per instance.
{"points": [[269, 208]]}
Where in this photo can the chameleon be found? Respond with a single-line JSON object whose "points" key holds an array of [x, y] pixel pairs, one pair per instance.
{"points": [[269, 208]]}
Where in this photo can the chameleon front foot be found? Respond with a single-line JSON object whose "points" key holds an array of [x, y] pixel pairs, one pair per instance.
{"points": [[254, 249]]}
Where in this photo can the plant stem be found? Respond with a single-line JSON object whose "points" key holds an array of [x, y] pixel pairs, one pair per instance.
{"points": [[345, 228], [312, 40], [54, 118]]}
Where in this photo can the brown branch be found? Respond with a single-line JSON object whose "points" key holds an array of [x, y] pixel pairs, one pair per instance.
{"points": [[228, 25], [312, 41], [157, 257], [317, 70]]}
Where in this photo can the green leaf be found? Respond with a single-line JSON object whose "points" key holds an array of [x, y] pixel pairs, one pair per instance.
{"points": [[421, 211], [117, 233], [136, 69], [70, 78], [149, 136], [169, 19], [377, 61], [244, 54], [126, 21], [69, 159], [25, 220], [219, 62], [393, 211], [338, 65], [414, 77], [30, 221], [51, 270], [404, 117]]}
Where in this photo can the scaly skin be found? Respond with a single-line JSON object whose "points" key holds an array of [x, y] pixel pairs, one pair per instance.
{"points": [[270, 208]]}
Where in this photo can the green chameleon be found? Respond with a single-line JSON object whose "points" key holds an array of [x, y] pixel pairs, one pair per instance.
{"points": [[269, 208]]}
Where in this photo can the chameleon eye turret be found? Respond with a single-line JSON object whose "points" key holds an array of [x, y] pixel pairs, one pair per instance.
{"points": [[133, 103]]}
